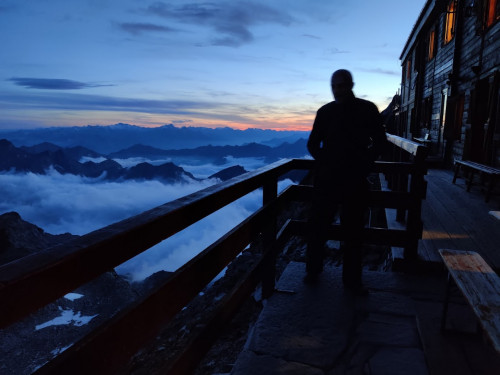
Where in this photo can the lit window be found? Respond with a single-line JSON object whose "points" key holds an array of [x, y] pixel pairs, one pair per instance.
{"points": [[492, 12], [449, 29], [431, 52]]}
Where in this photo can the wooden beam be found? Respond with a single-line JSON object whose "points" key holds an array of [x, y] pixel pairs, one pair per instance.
{"points": [[376, 236], [409, 146], [376, 198]]}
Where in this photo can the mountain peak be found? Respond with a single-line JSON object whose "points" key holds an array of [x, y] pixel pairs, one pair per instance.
{"points": [[19, 238]]}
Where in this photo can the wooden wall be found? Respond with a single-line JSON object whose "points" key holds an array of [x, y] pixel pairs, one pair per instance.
{"points": [[465, 67]]}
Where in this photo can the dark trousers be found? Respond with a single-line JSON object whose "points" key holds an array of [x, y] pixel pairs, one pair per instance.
{"points": [[349, 198]]}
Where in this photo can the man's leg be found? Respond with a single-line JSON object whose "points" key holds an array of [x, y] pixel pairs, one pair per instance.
{"points": [[353, 222], [323, 212]]}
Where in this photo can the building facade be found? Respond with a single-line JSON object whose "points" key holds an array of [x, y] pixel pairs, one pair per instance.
{"points": [[450, 80]]}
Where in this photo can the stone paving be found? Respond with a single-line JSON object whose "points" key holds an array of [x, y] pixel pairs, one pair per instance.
{"points": [[321, 329]]}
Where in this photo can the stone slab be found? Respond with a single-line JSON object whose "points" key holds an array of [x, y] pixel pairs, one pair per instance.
{"points": [[250, 363], [398, 361], [308, 324], [324, 328]]}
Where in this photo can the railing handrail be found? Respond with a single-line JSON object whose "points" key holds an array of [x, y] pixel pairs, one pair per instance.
{"points": [[413, 148]]}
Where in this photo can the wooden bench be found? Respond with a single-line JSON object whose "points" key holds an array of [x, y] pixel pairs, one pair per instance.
{"points": [[480, 286], [473, 167]]}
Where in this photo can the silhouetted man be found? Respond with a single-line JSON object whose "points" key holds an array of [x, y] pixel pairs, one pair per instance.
{"points": [[346, 138]]}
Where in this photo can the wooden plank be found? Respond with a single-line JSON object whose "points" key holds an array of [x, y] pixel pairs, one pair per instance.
{"points": [[376, 198], [376, 236], [464, 216], [480, 286], [442, 227], [403, 167]]}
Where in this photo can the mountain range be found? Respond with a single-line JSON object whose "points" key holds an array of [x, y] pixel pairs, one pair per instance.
{"points": [[113, 138], [42, 157], [217, 154], [66, 161]]}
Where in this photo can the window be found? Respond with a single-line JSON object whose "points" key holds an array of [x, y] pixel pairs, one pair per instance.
{"points": [[408, 68], [492, 12], [432, 44], [451, 16]]}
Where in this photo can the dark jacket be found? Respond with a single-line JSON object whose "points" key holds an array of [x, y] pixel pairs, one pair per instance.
{"points": [[346, 139]]}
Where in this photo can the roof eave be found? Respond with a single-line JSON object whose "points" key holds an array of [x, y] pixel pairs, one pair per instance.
{"points": [[421, 21]]}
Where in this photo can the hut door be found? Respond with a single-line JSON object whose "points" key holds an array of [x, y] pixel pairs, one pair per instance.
{"points": [[479, 117]]}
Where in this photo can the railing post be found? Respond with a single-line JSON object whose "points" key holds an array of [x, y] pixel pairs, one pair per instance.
{"points": [[402, 186], [270, 193], [418, 188]]}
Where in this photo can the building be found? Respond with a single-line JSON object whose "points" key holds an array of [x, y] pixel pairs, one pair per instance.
{"points": [[450, 80]]}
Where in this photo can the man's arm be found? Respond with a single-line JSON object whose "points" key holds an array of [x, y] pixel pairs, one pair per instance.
{"points": [[378, 136], [314, 142]]}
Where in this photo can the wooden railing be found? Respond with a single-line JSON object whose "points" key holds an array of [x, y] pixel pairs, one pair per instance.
{"points": [[408, 188], [38, 279]]}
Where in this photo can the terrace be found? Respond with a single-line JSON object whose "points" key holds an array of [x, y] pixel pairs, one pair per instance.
{"points": [[301, 329]]}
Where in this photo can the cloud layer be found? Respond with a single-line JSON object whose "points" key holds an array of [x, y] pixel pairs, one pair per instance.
{"points": [[67, 203]]}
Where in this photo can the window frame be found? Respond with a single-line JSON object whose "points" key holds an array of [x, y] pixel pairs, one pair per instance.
{"points": [[450, 22], [432, 43], [490, 13], [493, 12]]}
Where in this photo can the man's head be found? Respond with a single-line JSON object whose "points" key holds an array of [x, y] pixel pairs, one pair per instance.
{"points": [[342, 85]]}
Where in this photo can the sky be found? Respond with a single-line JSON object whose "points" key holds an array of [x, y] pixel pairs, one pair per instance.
{"points": [[257, 64]]}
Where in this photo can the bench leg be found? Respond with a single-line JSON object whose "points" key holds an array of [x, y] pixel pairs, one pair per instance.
{"points": [[491, 185], [445, 303], [469, 182], [457, 169]]}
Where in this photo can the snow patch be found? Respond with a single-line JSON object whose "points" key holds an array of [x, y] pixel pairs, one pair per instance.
{"points": [[67, 317], [73, 296], [58, 351]]}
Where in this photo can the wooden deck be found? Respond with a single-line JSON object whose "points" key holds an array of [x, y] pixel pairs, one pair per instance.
{"points": [[456, 219]]}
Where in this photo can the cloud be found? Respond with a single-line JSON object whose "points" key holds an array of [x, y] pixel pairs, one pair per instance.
{"points": [[84, 102], [312, 36], [383, 71], [67, 203], [51, 83], [139, 28], [181, 121], [335, 51], [231, 21]]}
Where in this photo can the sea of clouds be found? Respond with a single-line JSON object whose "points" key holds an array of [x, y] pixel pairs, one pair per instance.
{"points": [[78, 205]]}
